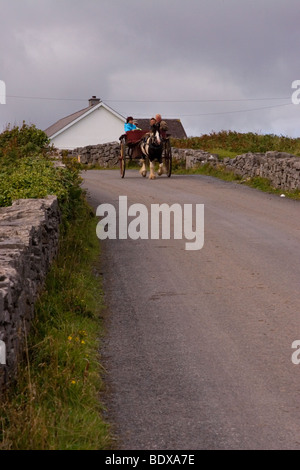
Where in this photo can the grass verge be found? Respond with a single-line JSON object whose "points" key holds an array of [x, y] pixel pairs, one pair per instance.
{"points": [[263, 184], [55, 405]]}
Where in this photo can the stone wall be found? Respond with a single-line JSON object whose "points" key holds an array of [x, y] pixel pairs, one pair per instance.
{"points": [[29, 233], [105, 155], [193, 158], [282, 169]]}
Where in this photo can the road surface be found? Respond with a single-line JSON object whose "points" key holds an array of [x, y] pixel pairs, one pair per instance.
{"points": [[198, 347]]}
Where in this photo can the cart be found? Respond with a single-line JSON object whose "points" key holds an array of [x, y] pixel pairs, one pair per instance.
{"points": [[130, 149]]}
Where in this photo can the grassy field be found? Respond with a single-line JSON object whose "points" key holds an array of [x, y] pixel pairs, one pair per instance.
{"points": [[230, 143]]}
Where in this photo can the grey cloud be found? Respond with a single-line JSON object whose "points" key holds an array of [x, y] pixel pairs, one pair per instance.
{"points": [[158, 50]]}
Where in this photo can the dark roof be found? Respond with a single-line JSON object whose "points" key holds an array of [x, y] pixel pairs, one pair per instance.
{"points": [[175, 128], [58, 125]]}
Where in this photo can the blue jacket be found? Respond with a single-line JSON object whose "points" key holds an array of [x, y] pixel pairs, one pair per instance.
{"points": [[129, 127]]}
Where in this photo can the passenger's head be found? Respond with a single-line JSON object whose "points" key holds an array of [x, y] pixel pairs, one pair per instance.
{"points": [[158, 118], [129, 119]]}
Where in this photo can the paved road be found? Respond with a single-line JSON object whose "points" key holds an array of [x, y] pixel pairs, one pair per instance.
{"points": [[198, 348]]}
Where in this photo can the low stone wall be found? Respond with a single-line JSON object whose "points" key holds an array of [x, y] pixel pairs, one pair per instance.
{"points": [[282, 169], [29, 233], [105, 155], [193, 158]]}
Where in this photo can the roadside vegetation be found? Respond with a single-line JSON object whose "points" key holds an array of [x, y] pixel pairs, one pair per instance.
{"points": [[231, 143], [263, 184], [55, 405], [27, 170]]}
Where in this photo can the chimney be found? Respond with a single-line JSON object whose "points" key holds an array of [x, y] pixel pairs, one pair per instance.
{"points": [[93, 100]]}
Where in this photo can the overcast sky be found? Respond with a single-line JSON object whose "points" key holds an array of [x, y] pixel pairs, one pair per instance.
{"points": [[143, 57]]}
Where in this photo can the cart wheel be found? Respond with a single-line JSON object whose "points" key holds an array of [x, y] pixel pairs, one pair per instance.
{"points": [[168, 158], [122, 158]]}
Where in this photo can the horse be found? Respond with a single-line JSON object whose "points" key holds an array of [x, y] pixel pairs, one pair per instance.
{"points": [[152, 148]]}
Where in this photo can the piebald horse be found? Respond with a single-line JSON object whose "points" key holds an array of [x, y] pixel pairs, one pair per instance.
{"points": [[152, 147]]}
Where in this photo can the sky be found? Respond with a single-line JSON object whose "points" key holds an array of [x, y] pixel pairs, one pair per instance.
{"points": [[213, 64]]}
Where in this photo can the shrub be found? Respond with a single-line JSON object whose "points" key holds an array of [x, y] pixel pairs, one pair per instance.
{"points": [[26, 171], [18, 142]]}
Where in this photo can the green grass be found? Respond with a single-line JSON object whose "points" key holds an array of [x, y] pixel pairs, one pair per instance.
{"points": [[223, 153], [231, 143], [55, 404], [35, 177], [263, 184]]}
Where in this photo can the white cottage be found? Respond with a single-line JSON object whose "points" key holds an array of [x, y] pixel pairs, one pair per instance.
{"points": [[96, 124]]}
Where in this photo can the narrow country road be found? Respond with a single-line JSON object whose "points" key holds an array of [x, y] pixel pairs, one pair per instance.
{"points": [[198, 348]]}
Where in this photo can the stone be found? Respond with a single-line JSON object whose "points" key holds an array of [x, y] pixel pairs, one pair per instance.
{"points": [[29, 233]]}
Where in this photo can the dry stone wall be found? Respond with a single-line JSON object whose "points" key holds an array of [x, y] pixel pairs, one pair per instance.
{"points": [[105, 155], [193, 158], [29, 233], [282, 169]]}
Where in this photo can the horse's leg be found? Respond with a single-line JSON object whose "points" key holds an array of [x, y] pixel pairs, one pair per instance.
{"points": [[152, 174], [161, 169], [143, 169]]}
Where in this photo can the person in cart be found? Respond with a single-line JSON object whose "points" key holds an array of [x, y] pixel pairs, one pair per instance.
{"points": [[161, 125], [129, 124]]}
